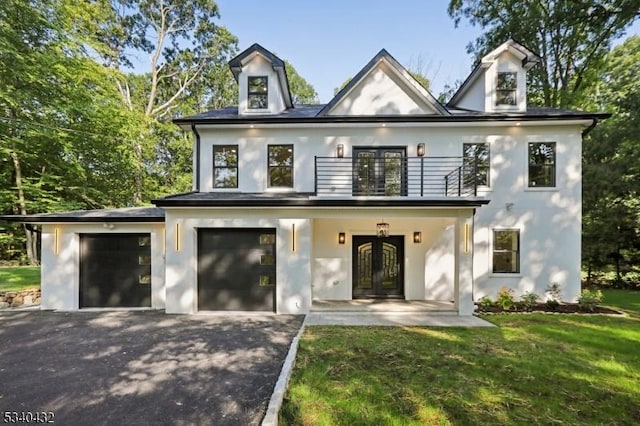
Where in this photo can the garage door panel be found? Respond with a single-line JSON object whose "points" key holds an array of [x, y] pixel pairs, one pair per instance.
{"points": [[236, 269], [115, 270]]}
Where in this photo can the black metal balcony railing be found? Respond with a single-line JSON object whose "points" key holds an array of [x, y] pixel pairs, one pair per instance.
{"points": [[396, 176]]}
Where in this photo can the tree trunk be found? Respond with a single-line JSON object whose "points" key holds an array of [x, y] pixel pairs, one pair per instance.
{"points": [[31, 238]]}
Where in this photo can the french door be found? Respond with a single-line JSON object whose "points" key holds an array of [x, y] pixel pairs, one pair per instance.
{"points": [[378, 266], [379, 171]]}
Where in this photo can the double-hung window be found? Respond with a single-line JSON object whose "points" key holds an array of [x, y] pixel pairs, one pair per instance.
{"points": [[225, 166], [280, 165], [542, 164], [476, 159], [506, 251], [506, 85], [258, 92]]}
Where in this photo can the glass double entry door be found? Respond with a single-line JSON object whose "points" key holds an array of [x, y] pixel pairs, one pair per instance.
{"points": [[378, 266], [379, 171]]}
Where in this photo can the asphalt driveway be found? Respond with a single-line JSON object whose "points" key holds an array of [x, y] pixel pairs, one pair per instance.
{"points": [[141, 367]]}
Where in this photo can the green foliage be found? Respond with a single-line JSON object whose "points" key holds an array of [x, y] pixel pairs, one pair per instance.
{"points": [[19, 278], [505, 298], [485, 303], [528, 300], [302, 91], [590, 299], [611, 172], [571, 38], [554, 295]]}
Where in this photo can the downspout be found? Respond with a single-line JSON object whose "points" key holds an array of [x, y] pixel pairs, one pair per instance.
{"points": [[197, 166]]}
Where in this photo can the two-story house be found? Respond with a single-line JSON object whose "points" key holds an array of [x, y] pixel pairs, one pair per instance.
{"points": [[384, 192]]}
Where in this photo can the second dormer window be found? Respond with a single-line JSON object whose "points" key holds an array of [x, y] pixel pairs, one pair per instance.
{"points": [[506, 89], [258, 92]]}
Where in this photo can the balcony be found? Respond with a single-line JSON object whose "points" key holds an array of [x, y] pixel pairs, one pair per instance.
{"points": [[395, 175]]}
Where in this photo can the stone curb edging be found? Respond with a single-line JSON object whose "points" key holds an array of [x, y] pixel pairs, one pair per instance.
{"points": [[277, 397], [20, 298]]}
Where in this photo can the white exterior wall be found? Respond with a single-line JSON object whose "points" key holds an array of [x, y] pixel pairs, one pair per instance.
{"points": [[60, 262], [475, 98], [549, 219], [293, 267], [365, 99]]}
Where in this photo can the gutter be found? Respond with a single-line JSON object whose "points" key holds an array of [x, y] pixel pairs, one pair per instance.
{"points": [[197, 168], [586, 131]]}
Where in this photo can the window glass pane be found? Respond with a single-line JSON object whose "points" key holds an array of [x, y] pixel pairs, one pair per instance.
{"points": [[507, 81], [476, 155], [144, 241], [267, 259], [265, 280], [225, 156], [226, 178], [144, 279], [267, 239], [505, 97], [280, 165], [257, 92], [506, 251], [144, 260], [542, 164]]}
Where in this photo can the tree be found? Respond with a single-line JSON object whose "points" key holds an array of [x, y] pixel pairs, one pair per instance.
{"points": [[571, 36], [611, 194], [302, 92]]}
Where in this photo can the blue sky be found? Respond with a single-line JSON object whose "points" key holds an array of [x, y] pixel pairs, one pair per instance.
{"points": [[329, 41]]}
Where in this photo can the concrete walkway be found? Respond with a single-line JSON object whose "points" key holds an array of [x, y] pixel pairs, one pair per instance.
{"points": [[394, 319]]}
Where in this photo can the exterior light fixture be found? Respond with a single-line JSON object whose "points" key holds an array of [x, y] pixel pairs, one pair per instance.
{"points": [[382, 229], [340, 151], [341, 237], [467, 238], [56, 242], [417, 237], [177, 236], [421, 150]]}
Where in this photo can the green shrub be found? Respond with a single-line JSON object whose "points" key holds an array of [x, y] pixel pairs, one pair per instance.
{"points": [[528, 300], [485, 303], [553, 295], [505, 298], [589, 299]]}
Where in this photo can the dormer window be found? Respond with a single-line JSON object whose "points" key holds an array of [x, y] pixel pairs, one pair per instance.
{"points": [[258, 92], [506, 89]]}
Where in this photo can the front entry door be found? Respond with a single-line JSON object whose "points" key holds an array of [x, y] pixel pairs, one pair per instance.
{"points": [[378, 266]]}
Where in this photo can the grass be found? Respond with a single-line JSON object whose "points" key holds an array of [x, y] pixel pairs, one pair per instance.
{"points": [[626, 300], [531, 369], [19, 278]]}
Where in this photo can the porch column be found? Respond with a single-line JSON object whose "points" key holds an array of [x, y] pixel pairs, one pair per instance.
{"points": [[464, 263]]}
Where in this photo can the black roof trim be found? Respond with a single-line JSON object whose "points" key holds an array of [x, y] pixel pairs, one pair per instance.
{"points": [[364, 71], [236, 63], [458, 118], [132, 215], [322, 202]]}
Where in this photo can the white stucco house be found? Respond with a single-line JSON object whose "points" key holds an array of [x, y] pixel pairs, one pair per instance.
{"points": [[383, 193]]}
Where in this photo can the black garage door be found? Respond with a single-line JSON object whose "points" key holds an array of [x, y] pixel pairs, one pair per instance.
{"points": [[236, 269], [115, 270]]}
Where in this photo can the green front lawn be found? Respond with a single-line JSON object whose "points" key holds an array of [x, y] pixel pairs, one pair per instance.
{"points": [[626, 300], [19, 278], [531, 369]]}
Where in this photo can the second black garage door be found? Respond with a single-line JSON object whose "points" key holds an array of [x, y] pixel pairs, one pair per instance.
{"points": [[236, 269], [115, 270]]}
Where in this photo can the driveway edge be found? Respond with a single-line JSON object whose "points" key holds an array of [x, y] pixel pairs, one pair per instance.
{"points": [[277, 397]]}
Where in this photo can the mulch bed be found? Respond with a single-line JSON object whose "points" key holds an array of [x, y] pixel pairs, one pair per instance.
{"points": [[564, 308]]}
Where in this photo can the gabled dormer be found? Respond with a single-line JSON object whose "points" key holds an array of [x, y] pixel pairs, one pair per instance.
{"points": [[499, 81], [385, 88], [263, 87]]}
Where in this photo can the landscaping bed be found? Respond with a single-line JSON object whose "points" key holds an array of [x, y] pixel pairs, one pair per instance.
{"points": [[562, 308]]}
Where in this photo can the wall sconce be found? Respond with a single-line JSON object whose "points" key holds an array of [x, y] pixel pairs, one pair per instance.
{"points": [[177, 237], [293, 237], [467, 238], [341, 237], [421, 150], [56, 241], [340, 151], [417, 237]]}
